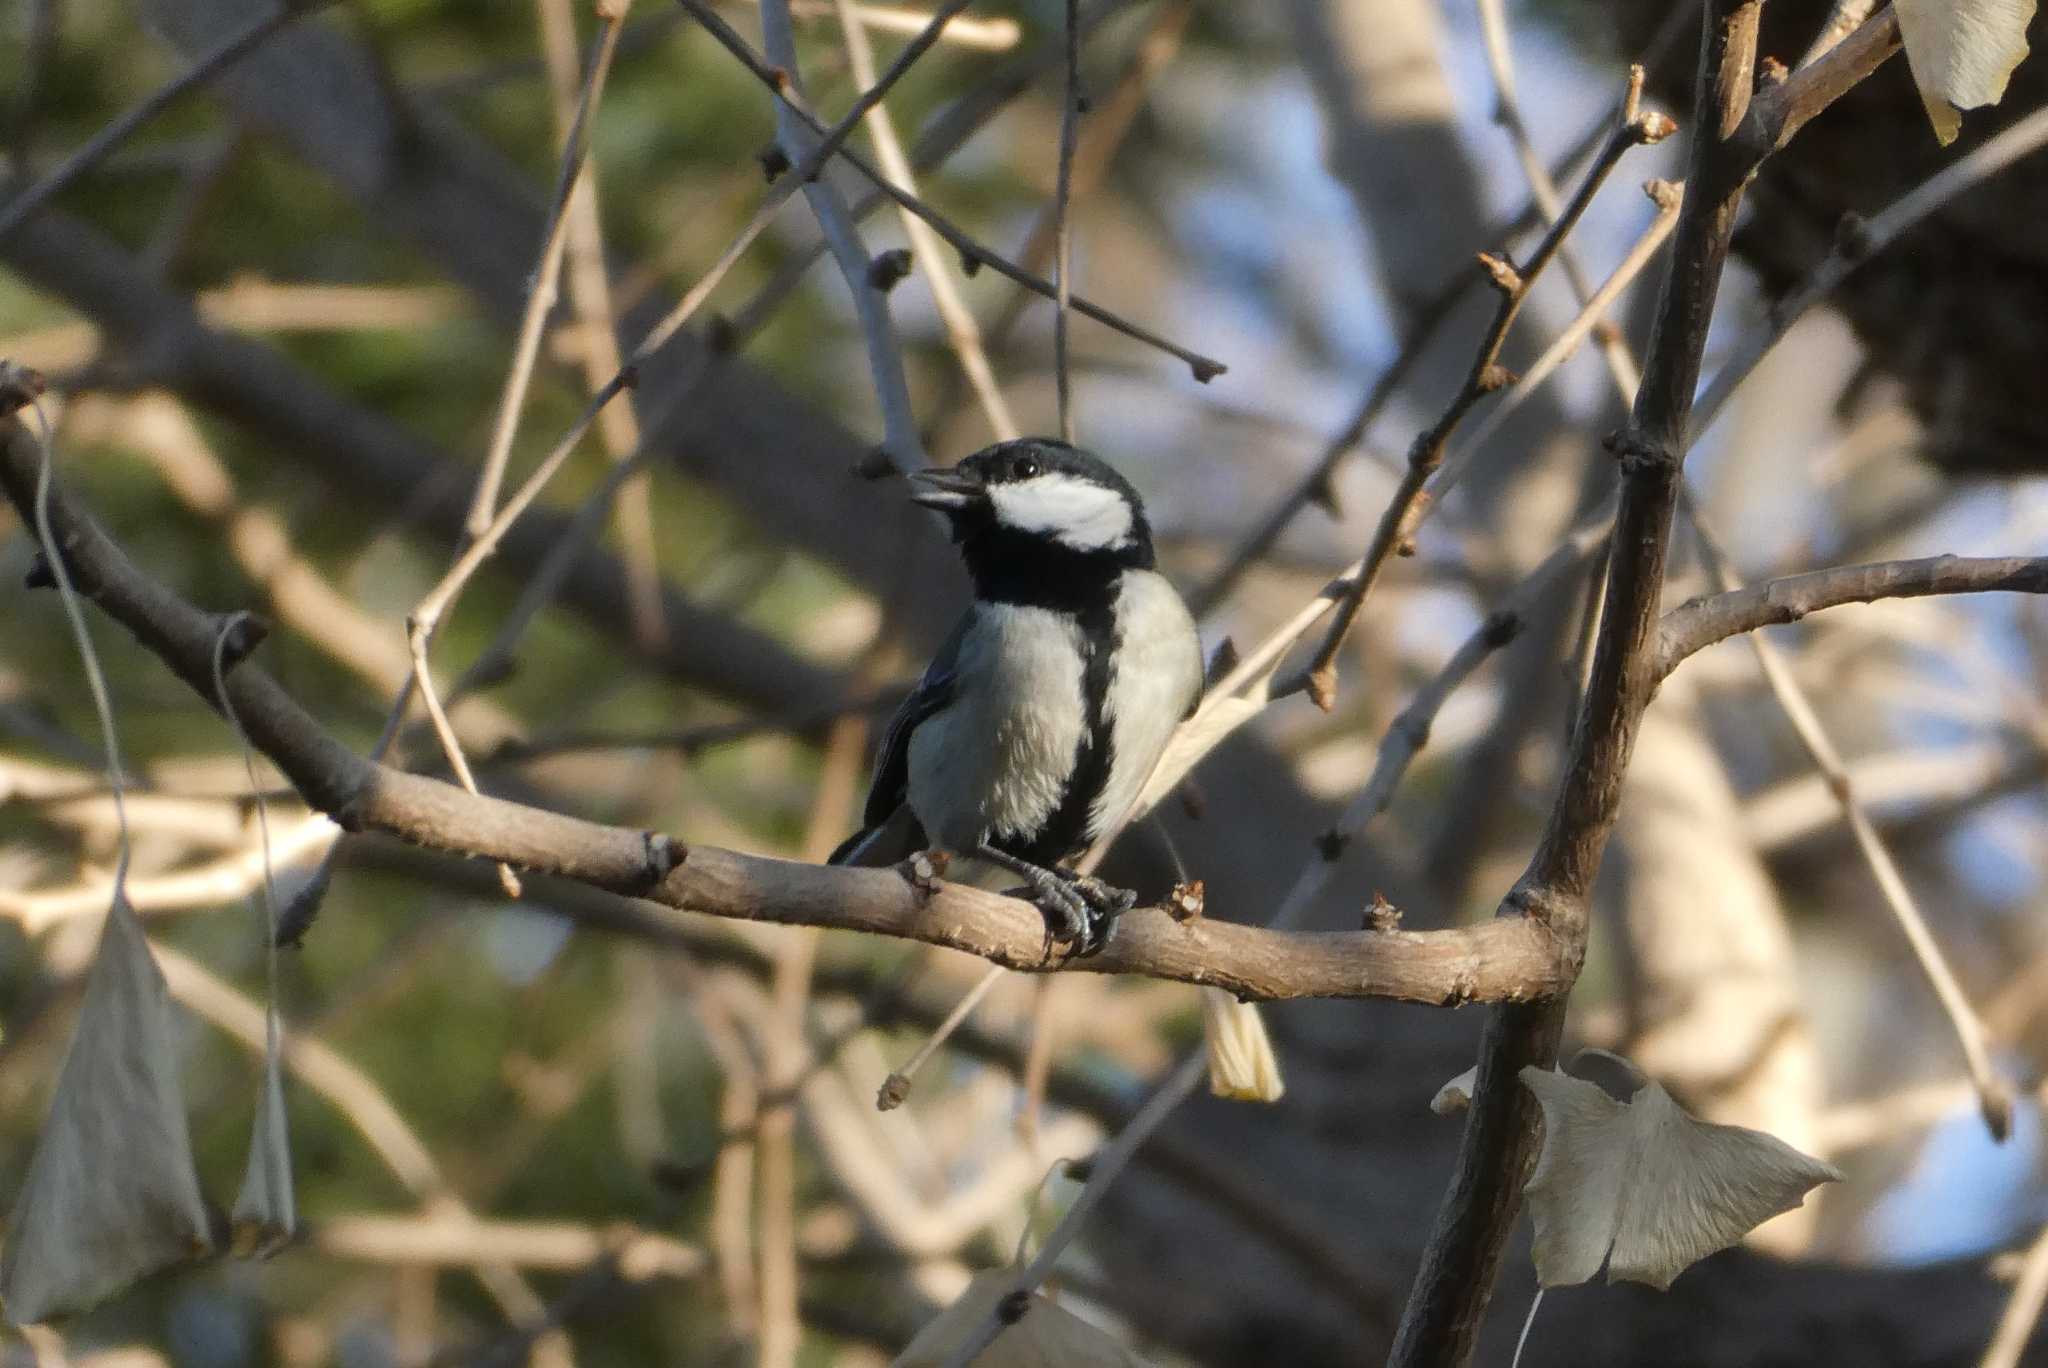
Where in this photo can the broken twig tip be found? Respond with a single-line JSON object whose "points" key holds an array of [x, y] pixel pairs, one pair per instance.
{"points": [[893, 1093], [888, 269], [20, 386], [243, 635], [1501, 272], [1995, 1102], [1322, 687]]}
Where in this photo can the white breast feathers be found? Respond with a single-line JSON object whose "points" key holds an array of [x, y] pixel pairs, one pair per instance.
{"points": [[997, 759], [1158, 675]]}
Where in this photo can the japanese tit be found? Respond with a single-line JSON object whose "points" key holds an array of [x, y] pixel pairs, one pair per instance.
{"points": [[1042, 715]]}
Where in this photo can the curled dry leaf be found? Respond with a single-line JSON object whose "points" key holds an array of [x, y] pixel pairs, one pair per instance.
{"points": [[111, 1193], [1961, 53], [1242, 1065], [1645, 1187], [1045, 1336], [266, 1211]]}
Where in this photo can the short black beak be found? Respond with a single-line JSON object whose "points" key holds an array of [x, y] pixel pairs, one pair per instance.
{"points": [[949, 491]]}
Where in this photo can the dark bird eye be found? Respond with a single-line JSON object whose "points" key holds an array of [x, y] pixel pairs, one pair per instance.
{"points": [[1025, 468]]}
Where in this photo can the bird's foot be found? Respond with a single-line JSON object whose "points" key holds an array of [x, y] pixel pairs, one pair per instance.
{"points": [[1079, 910], [1106, 903]]}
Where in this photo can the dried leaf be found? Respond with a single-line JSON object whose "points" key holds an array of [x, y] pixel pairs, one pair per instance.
{"points": [[111, 1193], [1645, 1187], [266, 1211], [1045, 1336], [1456, 1095], [1961, 53], [1242, 1065], [1197, 736]]}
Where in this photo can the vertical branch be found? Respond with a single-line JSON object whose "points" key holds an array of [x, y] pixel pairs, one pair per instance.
{"points": [[540, 298], [1063, 228], [1462, 1260], [941, 271], [901, 441], [597, 337]]}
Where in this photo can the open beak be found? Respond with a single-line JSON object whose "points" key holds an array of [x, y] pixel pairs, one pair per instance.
{"points": [[949, 491]]}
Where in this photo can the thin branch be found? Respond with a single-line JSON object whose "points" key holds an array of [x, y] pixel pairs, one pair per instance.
{"points": [[366, 1107], [1408, 733], [945, 135], [559, 1246], [1510, 959], [206, 68], [2023, 1311], [1412, 496], [597, 334], [1859, 240], [540, 293], [1425, 319], [1063, 228], [973, 253], [1591, 319], [1700, 622], [1463, 1256], [1103, 1171], [868, 287], [1788, 600], [940, 270]]}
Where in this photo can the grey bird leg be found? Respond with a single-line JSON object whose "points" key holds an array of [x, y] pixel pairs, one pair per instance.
{"points": [[1079, 909]]}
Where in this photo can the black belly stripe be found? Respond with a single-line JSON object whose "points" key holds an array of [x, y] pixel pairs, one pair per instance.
{"points": [[1066, 833]]}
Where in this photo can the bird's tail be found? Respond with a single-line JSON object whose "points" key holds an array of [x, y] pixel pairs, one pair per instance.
{"points": [[896, 838]]}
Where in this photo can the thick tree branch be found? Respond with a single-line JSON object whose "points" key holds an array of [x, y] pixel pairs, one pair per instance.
{"points": [[1505, 960], [1700, 622], [1455, 1281]]}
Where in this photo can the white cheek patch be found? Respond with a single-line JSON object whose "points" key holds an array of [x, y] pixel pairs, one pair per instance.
{"points": [[1077, 513]]}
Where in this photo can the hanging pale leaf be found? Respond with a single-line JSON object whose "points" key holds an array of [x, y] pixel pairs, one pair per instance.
{"points": [[1645, 1187], [1961, 53], [1043, 1336], [1456, 1095], [111, 1193], [1242, 1065], [266, 1212]]}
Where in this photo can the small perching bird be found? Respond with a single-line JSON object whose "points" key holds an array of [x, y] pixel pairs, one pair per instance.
{"points": [[1041, 717]]}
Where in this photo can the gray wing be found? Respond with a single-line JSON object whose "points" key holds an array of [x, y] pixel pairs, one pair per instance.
{"points": [[933, 692], [891, 784]]}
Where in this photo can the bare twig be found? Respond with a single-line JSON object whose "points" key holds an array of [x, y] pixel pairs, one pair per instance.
{"points": [[540, 294], [1063, 228], [901, 439], [206, 68], [940, 270], [590, 295], [1102, 1172], [1788, 601], [1507, 959], [1858, 241], [2016, 1326], [361, 1102], [1700, 622], [974, 253], [896, 1087], [1729, 138], [944, 136], [1486, 376]]}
